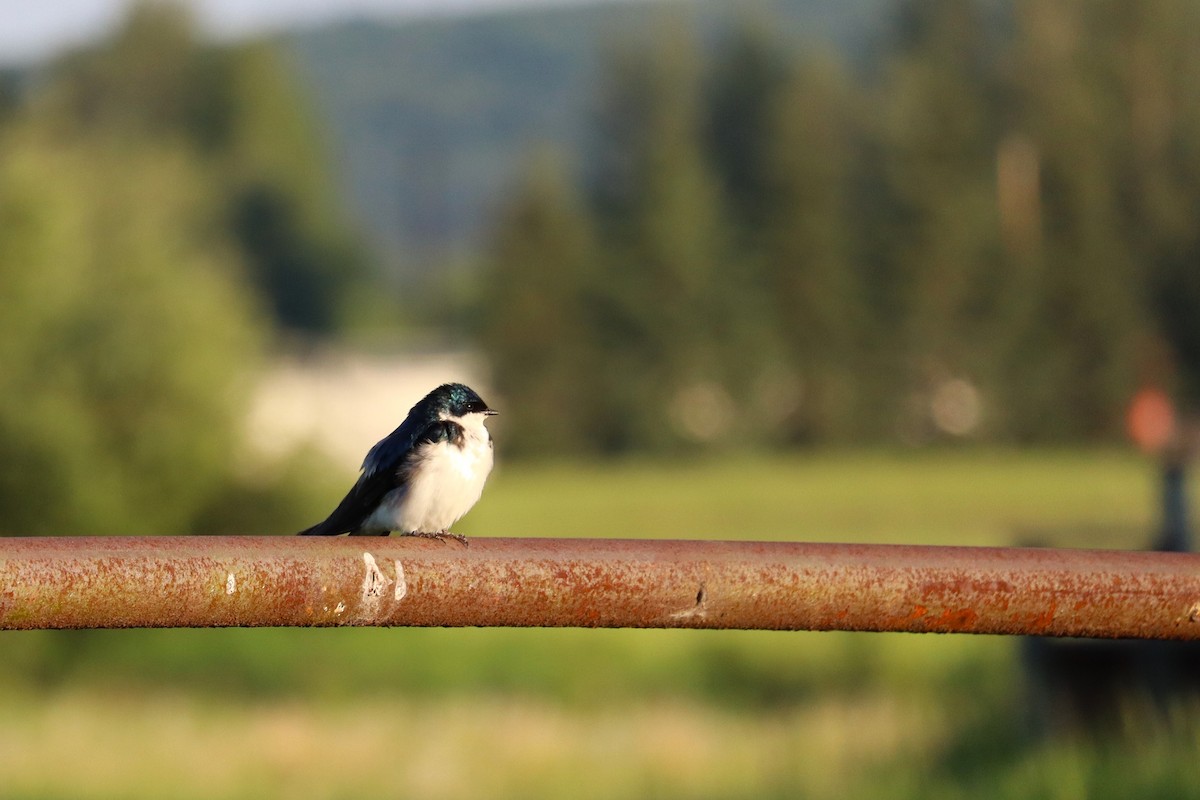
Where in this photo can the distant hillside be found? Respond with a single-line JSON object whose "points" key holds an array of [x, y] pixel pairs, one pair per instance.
{"points": [[430, 118]]}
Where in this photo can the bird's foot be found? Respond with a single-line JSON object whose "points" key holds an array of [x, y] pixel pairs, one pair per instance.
{"points": [[441, 536]]}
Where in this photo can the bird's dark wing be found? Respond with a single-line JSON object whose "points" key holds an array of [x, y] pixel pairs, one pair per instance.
{"points": [[390, 451], [358, 504], [382, 471]]}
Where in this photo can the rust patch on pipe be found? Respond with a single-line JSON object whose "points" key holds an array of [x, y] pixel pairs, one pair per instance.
{"points": [[97, 582]]}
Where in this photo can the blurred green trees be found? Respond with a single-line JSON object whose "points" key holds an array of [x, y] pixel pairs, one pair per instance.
{"points": [[238, 112], [991, 231], [123, 337], [148, 187], [544, 247]]}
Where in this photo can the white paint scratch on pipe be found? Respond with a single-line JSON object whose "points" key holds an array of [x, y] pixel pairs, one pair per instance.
{"points": [[401, 583], [374, 582], [230, 584]]}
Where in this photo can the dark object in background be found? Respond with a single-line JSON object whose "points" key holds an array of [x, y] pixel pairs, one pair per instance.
{"points": [[1093, 685]]}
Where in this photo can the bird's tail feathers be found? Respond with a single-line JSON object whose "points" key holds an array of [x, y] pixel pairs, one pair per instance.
{"points": [[321, 529]]}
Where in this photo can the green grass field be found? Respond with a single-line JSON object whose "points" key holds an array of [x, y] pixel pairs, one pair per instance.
{"points": [[580, 713]]}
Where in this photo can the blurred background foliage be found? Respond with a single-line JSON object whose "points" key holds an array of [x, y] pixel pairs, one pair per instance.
{"points": [[781, 248], [166, 218], [791, 234], [976, 222]]}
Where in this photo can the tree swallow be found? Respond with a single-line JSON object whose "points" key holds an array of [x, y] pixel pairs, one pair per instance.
{"points": [[424, 476]]}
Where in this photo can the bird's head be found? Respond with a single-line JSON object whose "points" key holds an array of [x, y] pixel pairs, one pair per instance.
{"points": [[454, 401]]}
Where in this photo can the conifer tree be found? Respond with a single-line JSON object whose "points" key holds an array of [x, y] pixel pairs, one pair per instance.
{"points": [[663, 243], [536, 330], [819, 302]]}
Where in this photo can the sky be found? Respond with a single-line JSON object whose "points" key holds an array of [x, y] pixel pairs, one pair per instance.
{"points": [[32, 30]]}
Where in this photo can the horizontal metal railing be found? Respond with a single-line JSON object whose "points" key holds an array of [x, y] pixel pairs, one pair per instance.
{"points": [[116, 582]]}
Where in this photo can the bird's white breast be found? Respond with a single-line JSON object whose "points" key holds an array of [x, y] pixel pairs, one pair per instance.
{"points": [[445, 483]]}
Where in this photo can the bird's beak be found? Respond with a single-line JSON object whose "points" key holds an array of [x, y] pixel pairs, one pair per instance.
{"points": [[491, 412]]}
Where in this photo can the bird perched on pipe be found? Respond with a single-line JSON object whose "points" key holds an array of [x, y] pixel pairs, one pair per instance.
{"points": [[424, 476]]}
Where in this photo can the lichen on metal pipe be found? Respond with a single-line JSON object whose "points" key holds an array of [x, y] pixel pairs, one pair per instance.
{"points": [[118, 582]]}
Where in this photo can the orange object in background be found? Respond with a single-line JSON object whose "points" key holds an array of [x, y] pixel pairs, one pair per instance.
{"points": [[1151, 420]]}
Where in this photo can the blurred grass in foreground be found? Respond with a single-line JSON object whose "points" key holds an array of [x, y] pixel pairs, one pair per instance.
{"points": [[547, 713]]}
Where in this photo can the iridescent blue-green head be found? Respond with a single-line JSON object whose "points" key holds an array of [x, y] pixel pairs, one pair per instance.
{"points": [[452, 400]]}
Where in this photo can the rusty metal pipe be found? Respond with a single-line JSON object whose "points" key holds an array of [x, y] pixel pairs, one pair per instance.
{"points": [[119, 582]]}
